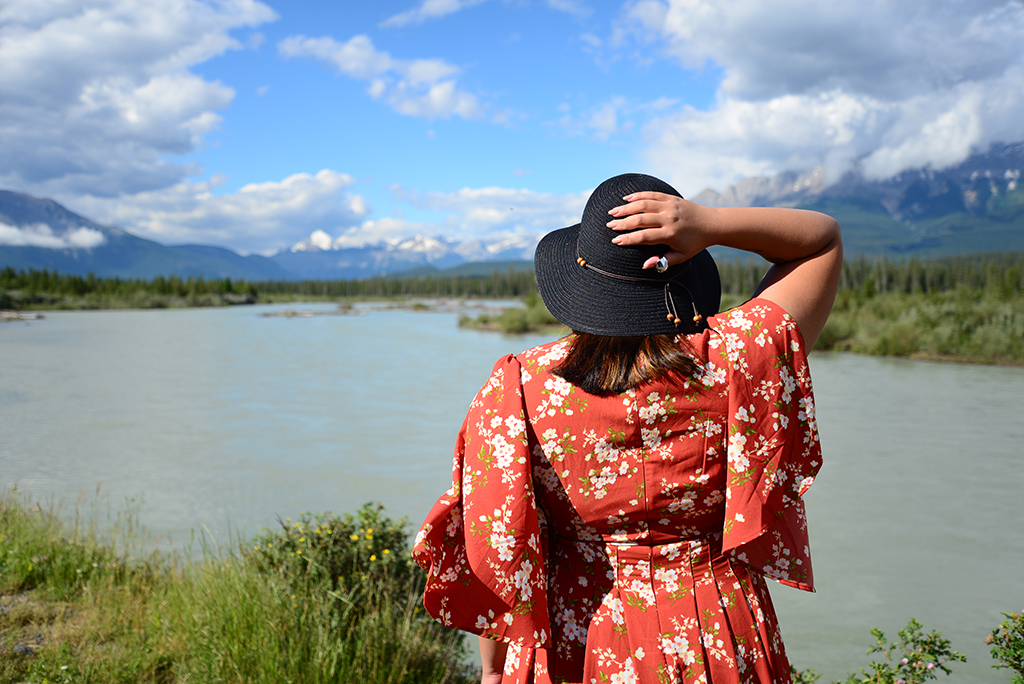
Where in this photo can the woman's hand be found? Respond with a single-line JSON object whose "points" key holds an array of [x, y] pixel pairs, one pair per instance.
{"points": [[654, 218], [806, 247]]}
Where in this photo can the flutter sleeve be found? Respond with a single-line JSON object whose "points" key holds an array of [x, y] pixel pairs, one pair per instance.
{"points": [[481, 543], [773, 447]]}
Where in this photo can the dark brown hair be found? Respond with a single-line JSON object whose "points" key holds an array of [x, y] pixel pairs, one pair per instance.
{"points": [[603, 365]]}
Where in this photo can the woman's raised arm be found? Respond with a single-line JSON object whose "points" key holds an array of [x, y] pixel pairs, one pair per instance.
{"points": [[805, 247]]}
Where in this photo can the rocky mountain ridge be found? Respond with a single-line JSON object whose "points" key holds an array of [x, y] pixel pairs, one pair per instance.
{"points": [[967, 187]]}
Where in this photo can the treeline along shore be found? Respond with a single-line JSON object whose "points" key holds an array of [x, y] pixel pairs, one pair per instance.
{"points": [[965, 308]]}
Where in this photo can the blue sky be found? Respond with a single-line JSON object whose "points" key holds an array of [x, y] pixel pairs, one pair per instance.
{"points": [[251, 124], [535, 80]]}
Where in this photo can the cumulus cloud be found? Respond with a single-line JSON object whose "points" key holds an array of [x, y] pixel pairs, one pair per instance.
{"points": [[476, 212], [879, 86], [386, 229], [260, 217], [417, 87], [94, 97], [472, 214], [41, 235]]}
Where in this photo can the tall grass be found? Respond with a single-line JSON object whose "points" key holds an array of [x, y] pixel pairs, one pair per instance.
{"points": [[75, 609]]}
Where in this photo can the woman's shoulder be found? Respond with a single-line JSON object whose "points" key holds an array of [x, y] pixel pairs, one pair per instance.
{"points": [[544, 356], [757, 329], [760, 320], [753, 312]]}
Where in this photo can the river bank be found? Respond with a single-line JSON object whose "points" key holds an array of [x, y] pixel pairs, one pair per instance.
{"points": [[76, 604]]}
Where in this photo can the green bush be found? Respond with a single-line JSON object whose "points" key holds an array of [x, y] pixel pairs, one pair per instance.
{"points": [[916, 658], [337, 550], [1007, 641], [515, 320]]}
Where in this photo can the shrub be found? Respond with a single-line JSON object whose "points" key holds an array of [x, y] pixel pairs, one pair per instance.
{"points": [[339, 551], [915, 659], [1007, 641]]}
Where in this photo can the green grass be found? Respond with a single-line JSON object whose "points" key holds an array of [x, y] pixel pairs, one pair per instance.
{"points": [[338, 610]]}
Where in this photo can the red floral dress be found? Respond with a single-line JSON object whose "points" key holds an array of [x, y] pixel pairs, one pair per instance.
{"points": [[626, 538]]}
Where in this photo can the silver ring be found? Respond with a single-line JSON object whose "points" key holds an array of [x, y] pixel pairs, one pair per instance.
{"points": [[662, 265]]}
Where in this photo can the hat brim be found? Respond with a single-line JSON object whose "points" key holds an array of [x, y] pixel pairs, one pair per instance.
{"points": [[587, 301]]}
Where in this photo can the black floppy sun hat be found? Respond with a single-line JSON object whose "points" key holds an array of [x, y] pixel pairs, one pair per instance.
{"points": [[592, 285]]}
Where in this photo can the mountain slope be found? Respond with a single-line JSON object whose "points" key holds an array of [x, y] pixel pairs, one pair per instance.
{"points": [[47, 235]]}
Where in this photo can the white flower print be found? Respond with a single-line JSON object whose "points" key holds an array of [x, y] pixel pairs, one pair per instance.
{"points": [[522, 579], [737, 458], [515, 426], [485, 622]]}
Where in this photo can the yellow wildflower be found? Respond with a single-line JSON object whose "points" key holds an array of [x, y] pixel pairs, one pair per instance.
{"points": [[354, 537], [373, 558], [302, 539], [386, 551]]}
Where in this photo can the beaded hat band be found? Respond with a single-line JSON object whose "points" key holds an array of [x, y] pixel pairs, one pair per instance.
{"points": [[670, 304]]}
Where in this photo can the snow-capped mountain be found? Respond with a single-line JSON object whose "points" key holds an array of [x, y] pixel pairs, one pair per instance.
{"points": [[320, 256]]}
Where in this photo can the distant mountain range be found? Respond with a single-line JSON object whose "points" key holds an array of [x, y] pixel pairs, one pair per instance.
{"points": [[40, 233], [977, 206]]}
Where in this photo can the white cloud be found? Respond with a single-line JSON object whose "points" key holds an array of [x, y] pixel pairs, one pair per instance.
{"points": [[887, 84], [418, 87], [612, 118], [428, 9], [260, 217], [41, 235], [94, 97], [478, 212], [387, 229], [471, 214]]}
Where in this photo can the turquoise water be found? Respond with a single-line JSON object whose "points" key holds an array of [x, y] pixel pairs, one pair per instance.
{"points": [[220, 419]]}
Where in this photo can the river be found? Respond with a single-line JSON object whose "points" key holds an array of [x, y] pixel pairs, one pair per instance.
{"points": [[219, 420]]}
